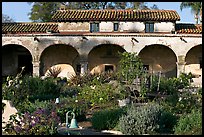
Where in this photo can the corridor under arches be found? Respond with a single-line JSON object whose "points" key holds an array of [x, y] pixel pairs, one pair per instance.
{"points": [[159, 58]]}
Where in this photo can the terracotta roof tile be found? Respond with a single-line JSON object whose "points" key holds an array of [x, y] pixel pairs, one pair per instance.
{"points": [[28, 27], [116, 15], [188, 28]]}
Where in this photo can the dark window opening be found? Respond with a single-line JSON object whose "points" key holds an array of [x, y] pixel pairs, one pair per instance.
{"points": [[78, 68], [108, 68], [146, 67], [94, 27], [200, 61], [149, 27], [25, 61], [116, 26]]}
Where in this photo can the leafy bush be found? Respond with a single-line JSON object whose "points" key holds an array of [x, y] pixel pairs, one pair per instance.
{"points": [[96, 94], [146, 119], [182, 103], [130, 66], [68, 91], [106, 119], [90, 79], [40, 122], [169, 86], [46, 104], [24, 90], [190, 124], [41, 89], [71, 104], [167, 122]]}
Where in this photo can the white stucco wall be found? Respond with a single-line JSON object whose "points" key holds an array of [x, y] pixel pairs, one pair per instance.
{"points": [[106, 26], [74, 26], [131, 26], [164, 27]]}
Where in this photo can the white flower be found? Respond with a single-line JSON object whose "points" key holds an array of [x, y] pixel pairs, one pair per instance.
{"points": [[180, 99], [93, 87], [98, 78], [100, 98], [17, 86], [10, 83], [76, 101], [79, 85]]}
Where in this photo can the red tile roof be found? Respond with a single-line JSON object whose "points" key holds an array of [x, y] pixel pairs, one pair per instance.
{"points": [[13, 28], [116, 15], [188, 28], [29, 27]]}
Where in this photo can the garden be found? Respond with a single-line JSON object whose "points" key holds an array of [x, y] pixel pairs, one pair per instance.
{"points": [[155, 106]]}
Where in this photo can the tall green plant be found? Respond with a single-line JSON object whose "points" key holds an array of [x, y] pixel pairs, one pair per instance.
{"points": [[190, 124], [131, 68]]}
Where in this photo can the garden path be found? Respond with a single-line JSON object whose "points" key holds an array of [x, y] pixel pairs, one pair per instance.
{"points": [[86, 129]]}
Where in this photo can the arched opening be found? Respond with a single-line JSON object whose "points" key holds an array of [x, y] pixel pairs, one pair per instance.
{"points": [[14, 57], [64, 56], [194, 61], [159, 58], [104, 57]]}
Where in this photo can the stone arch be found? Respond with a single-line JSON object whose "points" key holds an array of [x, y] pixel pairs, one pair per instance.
{"points": [[104, 57], [193, 60], [158, 58], [59, 55], [14, 57]]}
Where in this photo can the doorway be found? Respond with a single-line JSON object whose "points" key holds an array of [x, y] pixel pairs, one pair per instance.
{"points": [[25, 60]]}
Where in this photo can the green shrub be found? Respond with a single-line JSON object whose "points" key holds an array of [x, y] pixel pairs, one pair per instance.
{"points": [[97, 94], [107, 119], [25, 90], [182, 103], [68, 91], [170, 86], [130, 67], [146, 119], [89, 79], [167, 121], [70, 104], [190, 124], [46, 104], [41, 89]]}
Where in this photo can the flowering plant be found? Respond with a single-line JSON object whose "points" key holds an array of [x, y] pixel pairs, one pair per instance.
{"points": [[40, 122]]}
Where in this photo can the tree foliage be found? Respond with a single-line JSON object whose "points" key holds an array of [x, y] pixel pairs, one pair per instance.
{"points": [[43, 11], [196, 8], [6, 18], [130, 67]]}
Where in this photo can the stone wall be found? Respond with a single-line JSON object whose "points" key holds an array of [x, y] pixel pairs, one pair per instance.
{"points": [[82, 47], [107, 26]]}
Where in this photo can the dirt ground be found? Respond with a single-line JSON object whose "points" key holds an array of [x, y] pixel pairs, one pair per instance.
{"points": [[85, 128]]}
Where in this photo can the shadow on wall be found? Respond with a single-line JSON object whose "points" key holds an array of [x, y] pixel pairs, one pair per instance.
{"points": [[172, 73]]}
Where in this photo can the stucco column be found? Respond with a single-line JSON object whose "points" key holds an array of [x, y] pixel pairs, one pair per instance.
{"points": [[84, 67], [36, 65], [36, 68], [180, 65]]}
